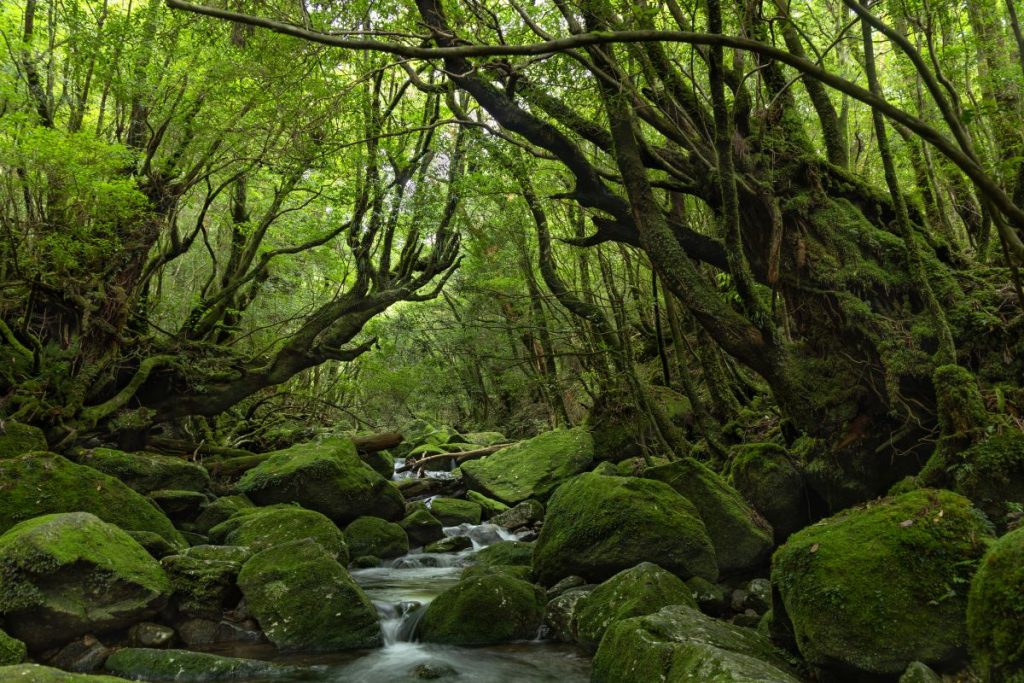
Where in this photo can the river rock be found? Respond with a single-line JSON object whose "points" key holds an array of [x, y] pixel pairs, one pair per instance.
{"points": [[66, 575], [454, 511], [742, 538], [147, 664], [203, 586], [450, 544], [44, 483], [597, 526], [146, 472], [82, 655], [422, 528], [381, 462], [489, 507], [995, 610], [147, 634], [643, 589], [305, 601], [766, 476], [505, 553], [484, 610], [373, 536], [262, 528], [34, 673], [872, 589], [525, 514], [560, 613], [678, 643], [325, 476], [12, 650], [18, 439], [532, 468]]}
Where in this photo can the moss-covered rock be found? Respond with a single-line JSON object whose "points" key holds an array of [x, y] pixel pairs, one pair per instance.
{"points": [[149, 664], [455, 511], [449, 544], [560, 613], [489, 507], [597, 526], [381, 462], [992, 475], [620, 428], [607, 468], [66, 575], [155, 544], [643, 589], [262, 528], [325, 476], [516, 571], [919, 673], [525, 514], [995, 611], [483, 439], [305, 601], [422, 528], [180, 506], [742, 538], [532, 468], [44, 483], [145, 472], [18, 439], [505, 552], [377, 537], [678, 644], [484, 610], [34, 673], [220, 510], [766, 476], [872, 589], [12, 650], [204, 583]]}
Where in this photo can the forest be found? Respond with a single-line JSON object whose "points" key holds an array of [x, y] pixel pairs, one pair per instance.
{"points": [[501, 341]]}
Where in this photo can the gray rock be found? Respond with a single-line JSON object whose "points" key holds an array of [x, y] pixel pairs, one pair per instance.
{"points": [[146, 634], [560, 613], [523, 514], [82, 655]]}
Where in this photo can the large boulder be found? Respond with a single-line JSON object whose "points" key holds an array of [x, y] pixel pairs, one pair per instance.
{"points": [[508, 553], [995, 611], [742, 538], [455, 511], [262, 528], [34, 673], [620, 427], [220, 510], [44, 483], [992, 475], [18, 439], [147, 472], [328, 477], [532, 468], [872, 589], [484, 610], [305, 601], [766, 475], [157, 666], [204, 578], [12, 650], [597, 526], [489, 507], [422, 528], [679, 644], [644, 589], [66, 575], [376, 537]]}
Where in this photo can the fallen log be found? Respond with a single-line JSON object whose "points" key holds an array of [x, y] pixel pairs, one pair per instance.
{"points": [[377, 442], [167, 445], [457, 457]]}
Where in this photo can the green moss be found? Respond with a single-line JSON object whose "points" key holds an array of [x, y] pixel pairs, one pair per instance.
{"points": [[325, 476], [962, 413], [204, 582], [146, 664], [606, 468], [43, 483], [453, 511], [764, 473], [506, 552], [742, 538], [516, 571], [991, 474], [597, 526], [422, 527], [34, 673], [489, 506], [66, 575], [262, 528], [18, 439], [145, 472], [995, 611], [219, 511], [305, 601], [532, 468], [875, 588], [377, 537], [483, 610], [381, 462], [483, 439], [12, 650], [644, 589]]}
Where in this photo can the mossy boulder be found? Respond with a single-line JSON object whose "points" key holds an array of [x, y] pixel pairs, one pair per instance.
{"points": [[872, 589], [483, 439], [620, 428], [449, 544], [325, 476], [643, 589], [992, 475], [180, 506], [455, 511], [678, 644], [155, 544], [516, 571], [488, 506], [919, 673], [532, 468], [995, 611], [204, 583], [12, 650], [527, 513], [377, 537], [18, 439], [560, 613], [507, 553], [422, 528], [597, 526], [381, 462], [305, 601], [44, 483], [35, 673], [65, 575], [145, 472], [484, 610], [767, 477], [262, 528], [149, 664], [220, 510], [742, 538]]}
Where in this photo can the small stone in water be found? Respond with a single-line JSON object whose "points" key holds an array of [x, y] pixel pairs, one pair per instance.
{"points": [[431, 671]]}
